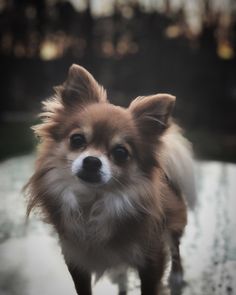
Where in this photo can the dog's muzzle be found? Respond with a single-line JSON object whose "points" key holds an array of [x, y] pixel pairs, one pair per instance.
{"points": [[90, 170]]}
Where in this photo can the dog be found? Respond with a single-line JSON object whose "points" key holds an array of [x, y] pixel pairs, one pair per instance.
{"points": [[114, 182]]}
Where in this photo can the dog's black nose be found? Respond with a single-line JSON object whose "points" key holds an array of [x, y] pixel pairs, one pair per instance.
{"points": [[91, 164]]}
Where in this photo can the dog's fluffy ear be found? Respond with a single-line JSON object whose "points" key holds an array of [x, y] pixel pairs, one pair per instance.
{"points": [[80, 88], [152, 113]]}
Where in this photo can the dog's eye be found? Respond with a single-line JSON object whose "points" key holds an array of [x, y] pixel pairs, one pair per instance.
{"points": [[120, 154], [77, 141]]}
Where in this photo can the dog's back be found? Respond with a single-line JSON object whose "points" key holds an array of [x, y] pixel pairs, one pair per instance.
{"points": [[177, 162]]}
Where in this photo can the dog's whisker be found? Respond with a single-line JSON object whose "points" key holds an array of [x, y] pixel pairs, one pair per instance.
{"points": [[118, 181]]}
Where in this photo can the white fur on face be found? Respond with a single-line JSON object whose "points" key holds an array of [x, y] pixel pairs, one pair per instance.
{"points": [[105, 170]]}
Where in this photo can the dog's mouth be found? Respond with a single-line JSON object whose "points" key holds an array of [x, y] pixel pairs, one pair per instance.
{"points": [[90, 178]]}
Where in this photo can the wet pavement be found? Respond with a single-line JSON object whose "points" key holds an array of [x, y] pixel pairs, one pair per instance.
{"points": [[31, 262]]}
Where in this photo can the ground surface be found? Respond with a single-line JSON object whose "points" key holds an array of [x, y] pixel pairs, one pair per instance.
{"points": [[31, 262]]}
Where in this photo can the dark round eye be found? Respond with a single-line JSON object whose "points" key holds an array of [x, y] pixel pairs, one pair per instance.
{"points": [[77, 141], [120, 154]]}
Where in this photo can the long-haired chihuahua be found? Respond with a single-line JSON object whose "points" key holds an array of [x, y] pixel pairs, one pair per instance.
{"points": [[113, 182]]}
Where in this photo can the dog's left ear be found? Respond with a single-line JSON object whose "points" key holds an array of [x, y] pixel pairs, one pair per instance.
{"points": [[152, 113], [80, 88]]}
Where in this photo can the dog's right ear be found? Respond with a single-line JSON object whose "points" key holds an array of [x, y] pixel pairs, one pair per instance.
{"points": [[80, 88]]}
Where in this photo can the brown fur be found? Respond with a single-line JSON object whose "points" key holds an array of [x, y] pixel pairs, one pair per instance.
{"points": [[80, 105]]}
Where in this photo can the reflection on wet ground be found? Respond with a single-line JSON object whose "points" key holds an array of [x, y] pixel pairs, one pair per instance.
{"points": [[31, 262]]}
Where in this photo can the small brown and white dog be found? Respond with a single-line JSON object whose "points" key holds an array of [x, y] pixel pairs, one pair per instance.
{"points": [[112, 181]]}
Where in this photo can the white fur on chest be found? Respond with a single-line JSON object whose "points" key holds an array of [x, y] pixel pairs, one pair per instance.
{"points": [[98, 259], [86, 236]]}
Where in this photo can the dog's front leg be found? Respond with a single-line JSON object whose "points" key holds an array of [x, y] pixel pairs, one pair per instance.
{"points": [[151, 275], [82, 280]]}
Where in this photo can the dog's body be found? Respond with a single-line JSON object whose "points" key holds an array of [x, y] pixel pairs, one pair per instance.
{"points": [[112, 182]]}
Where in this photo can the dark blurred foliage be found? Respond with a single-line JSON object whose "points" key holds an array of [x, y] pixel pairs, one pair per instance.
{"points": [[131, 52]]}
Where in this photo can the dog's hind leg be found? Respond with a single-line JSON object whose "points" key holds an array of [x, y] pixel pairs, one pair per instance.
{"points": [[122, 283], [176, 275], [120, 278]]}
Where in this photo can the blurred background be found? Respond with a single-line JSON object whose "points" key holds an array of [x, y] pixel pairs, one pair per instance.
{"points": [[133, 47]]}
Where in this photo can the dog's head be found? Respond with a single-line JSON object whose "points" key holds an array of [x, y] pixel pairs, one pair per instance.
{"points": [[97, 143]]}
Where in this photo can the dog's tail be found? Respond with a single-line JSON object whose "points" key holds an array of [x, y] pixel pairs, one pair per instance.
{"points": [[178, 165]]}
